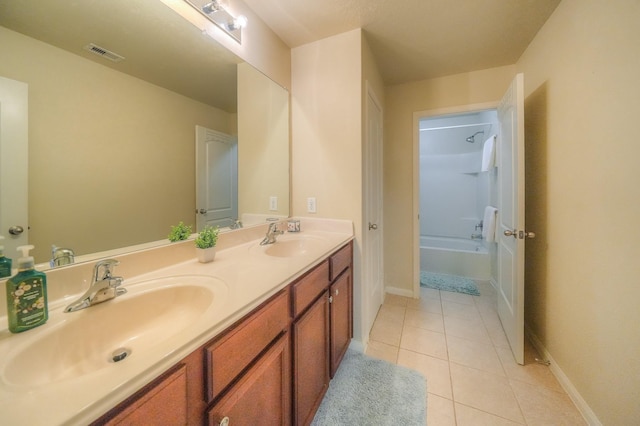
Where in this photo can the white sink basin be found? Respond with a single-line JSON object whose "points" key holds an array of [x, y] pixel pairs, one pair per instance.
{"points": [[292, 245], [133, 324]]}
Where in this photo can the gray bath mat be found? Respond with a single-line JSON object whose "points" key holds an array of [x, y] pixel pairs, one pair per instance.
{"points": [[367, 391], [448, 283]]}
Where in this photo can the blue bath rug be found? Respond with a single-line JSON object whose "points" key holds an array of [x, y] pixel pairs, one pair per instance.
{"points": [[448, 283], [371, 392]]}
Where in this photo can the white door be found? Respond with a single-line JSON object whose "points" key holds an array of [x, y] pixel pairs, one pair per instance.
{"points": [[373, 289], [216, 178], [510, 232], [13, 165]]}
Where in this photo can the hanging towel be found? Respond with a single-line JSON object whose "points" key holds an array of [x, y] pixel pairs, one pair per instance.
{"points": [[489, 224], [489, 154]]}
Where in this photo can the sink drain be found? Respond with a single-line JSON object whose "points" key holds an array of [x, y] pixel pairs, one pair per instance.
{"points": [[120, 354]]}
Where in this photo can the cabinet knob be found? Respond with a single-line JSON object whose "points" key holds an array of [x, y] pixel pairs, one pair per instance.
{"points": [[224, 421], [337, 292], [330, 299]]}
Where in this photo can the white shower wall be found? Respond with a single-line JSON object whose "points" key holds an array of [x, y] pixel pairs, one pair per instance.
{"points": [[453, 190], [451, 194]]}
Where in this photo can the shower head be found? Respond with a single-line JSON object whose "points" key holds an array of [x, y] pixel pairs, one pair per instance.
{"points": [[472, 138]]}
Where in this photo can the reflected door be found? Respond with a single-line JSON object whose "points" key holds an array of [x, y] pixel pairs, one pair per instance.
{"points": [[216, 178], [13, 165]]}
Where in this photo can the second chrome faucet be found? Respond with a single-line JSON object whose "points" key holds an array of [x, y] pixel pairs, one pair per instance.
{"points": [[272, 232]]}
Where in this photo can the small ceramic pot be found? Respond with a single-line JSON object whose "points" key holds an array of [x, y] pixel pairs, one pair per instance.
{"points": [[206, 255]]}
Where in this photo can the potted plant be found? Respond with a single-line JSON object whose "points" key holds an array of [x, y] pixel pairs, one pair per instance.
{"points": [[179, 232], [206, 244]]}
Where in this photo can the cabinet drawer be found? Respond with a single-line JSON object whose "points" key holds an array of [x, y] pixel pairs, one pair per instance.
{"points": [[340, 261], [309, 287], [229, 356]]}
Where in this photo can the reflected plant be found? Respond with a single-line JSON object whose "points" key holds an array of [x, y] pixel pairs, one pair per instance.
{"points": [[179, 232]]}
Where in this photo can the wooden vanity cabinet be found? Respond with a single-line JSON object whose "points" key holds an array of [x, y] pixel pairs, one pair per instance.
{"points": [[272, 367]]}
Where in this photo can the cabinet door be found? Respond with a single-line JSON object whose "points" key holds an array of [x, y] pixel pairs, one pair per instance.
{"points": [[263, 394], [311, 360], [341, 325]]}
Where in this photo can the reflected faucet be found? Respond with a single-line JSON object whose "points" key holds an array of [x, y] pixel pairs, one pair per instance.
{"points": [[104, 286], [61, 256], [272, 232], [235, 224]]}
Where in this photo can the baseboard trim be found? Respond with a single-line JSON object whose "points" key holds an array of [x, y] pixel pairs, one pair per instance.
{"points": [[399, 291], [586, 411]]}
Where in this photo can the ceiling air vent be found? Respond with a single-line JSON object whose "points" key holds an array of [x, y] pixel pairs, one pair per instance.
{"points": [[101, 51]]}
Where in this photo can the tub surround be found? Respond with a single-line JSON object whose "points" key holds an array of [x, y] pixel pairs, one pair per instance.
{"points": [[251, 277]]}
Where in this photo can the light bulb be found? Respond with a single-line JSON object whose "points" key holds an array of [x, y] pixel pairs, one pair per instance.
{"points": [[238, 23]]}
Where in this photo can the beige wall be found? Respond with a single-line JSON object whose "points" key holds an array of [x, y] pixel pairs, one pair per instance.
{"points": [[263, 155], [327, 135], [402, 101], [110, 156], [583, 292]]}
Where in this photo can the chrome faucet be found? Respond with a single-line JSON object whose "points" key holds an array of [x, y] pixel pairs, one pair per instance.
{"points": [[104, 286], [272, 232]]}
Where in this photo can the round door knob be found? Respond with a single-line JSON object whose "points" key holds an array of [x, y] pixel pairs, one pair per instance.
{"points": [[202, 211], [16, 230], [373, 226], [529, 234], [510, 233]]}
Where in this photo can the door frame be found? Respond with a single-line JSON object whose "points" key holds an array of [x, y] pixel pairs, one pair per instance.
{"points": [[417, 116]]}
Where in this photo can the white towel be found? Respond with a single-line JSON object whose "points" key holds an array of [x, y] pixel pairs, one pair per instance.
{"points": [[489, 154], [489, 224]]}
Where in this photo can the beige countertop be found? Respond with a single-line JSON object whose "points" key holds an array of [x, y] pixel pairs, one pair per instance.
{"points": [[243, 277]]}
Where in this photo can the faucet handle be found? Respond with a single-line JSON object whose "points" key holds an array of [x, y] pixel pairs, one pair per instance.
{"points": [[107, 266]]}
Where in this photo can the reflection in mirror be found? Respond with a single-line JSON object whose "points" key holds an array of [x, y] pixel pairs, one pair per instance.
{"points": [[112, 144]]}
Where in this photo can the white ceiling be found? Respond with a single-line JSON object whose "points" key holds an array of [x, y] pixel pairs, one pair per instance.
{"points": [[416, 39]]}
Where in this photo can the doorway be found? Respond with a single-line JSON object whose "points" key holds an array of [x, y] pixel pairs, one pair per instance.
{"points": [[510, 231], [455, 189]]}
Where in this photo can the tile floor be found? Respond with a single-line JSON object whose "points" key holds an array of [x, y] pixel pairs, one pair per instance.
{"points": [[457, 342]]}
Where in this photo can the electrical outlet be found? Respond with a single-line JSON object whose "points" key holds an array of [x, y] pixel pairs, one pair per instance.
{"points": [[273, 203], [311, 204]]}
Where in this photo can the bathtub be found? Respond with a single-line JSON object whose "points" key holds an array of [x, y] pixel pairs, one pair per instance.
{"points": [[455, 256]]}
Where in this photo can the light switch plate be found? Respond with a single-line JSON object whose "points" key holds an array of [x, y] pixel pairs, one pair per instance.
{"points": [[273, 203]]}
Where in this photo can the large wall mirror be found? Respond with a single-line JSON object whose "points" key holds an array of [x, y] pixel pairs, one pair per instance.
{"points": [[112, 145]]}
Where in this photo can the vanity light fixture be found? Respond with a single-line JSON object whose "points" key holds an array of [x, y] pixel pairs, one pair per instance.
{"points": [[214, 11]]}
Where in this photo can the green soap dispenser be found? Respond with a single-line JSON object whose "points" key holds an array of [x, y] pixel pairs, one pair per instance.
{"points": [[26, 295], [5, 263]]}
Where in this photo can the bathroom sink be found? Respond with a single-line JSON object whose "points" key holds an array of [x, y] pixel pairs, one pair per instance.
{"points": [[112, 332], [293, 246]]}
